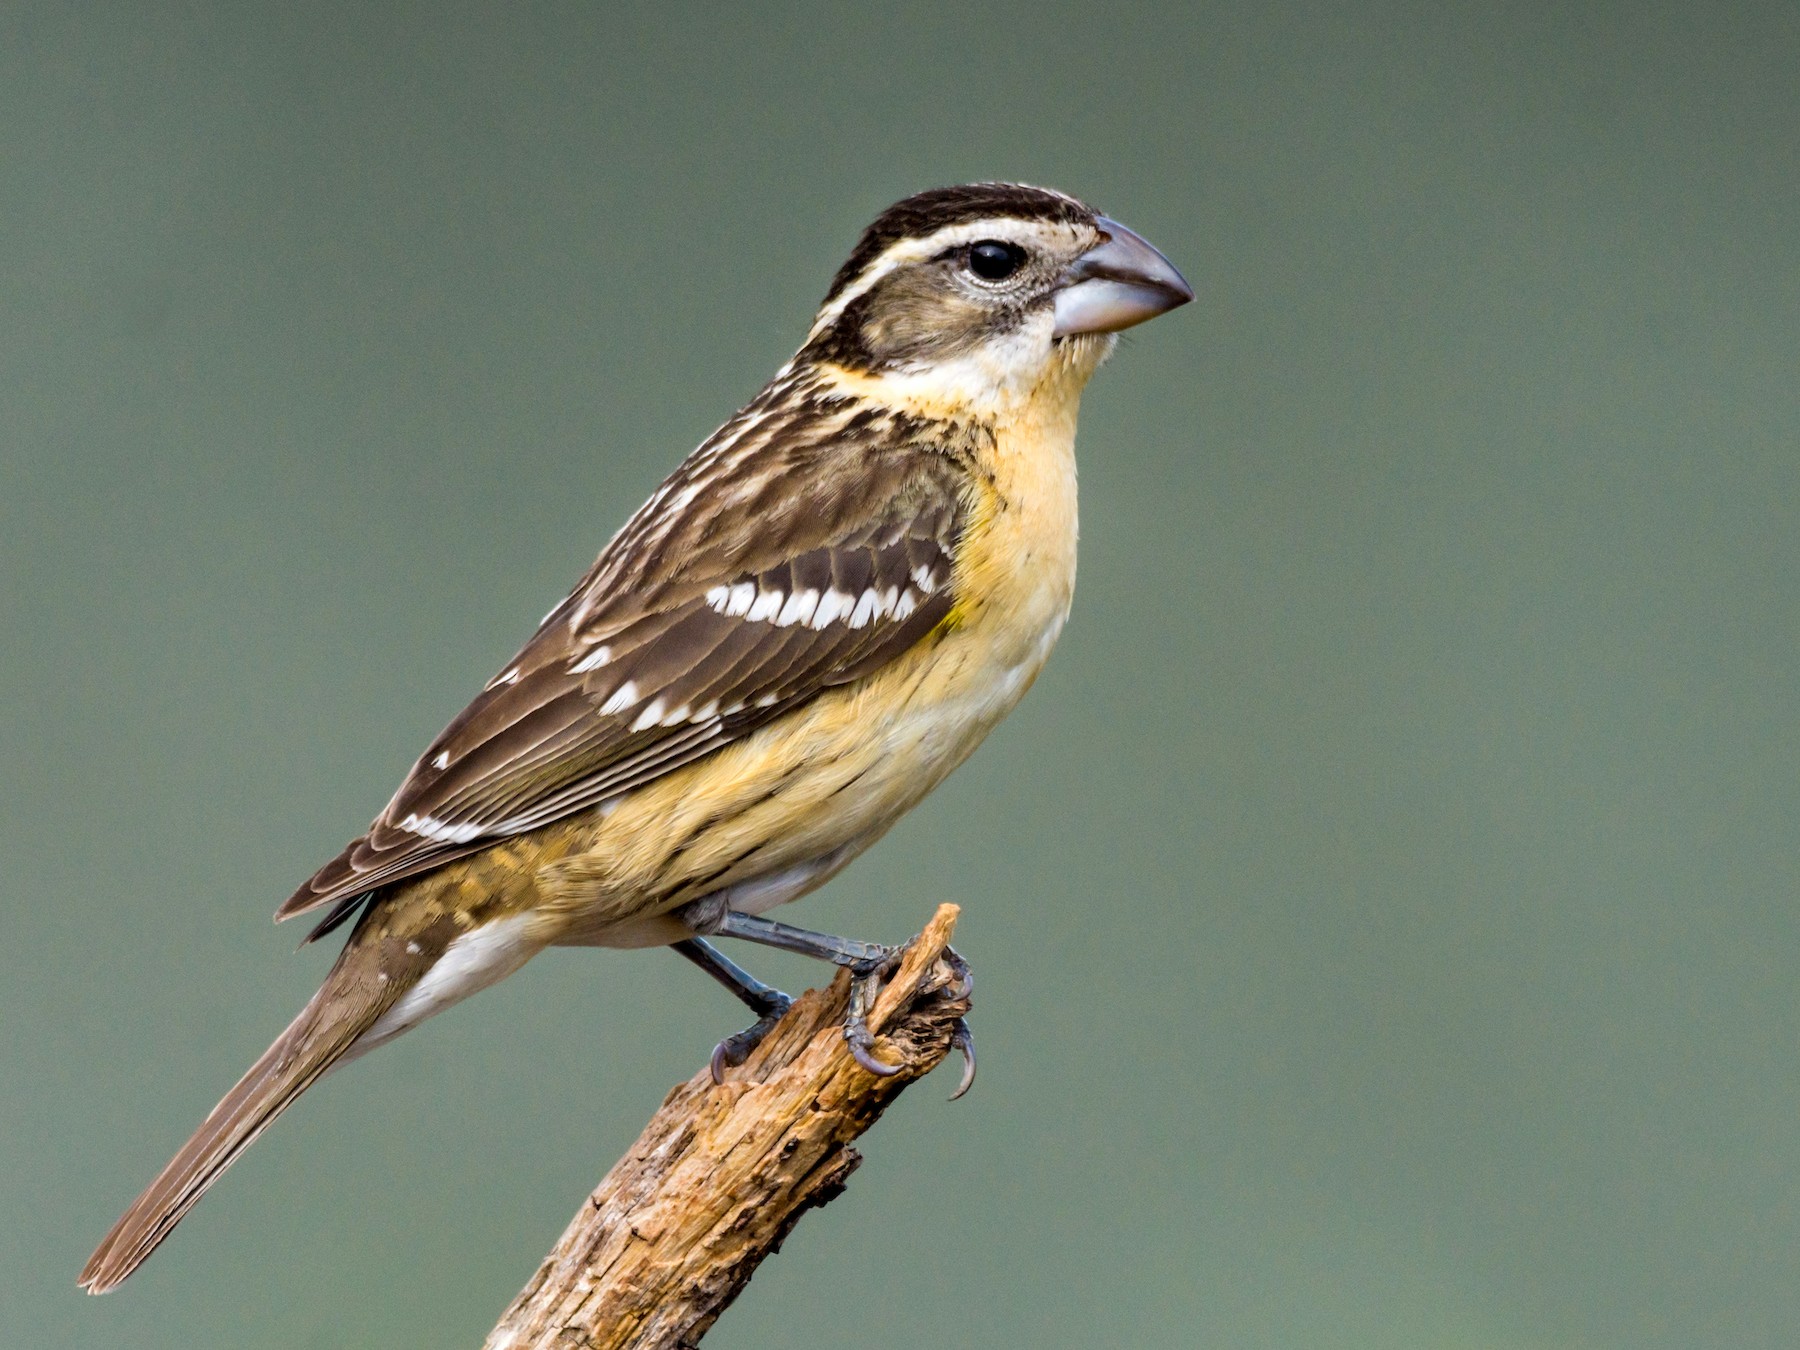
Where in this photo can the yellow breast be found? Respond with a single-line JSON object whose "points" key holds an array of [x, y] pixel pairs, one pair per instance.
{"points": [[832, 777]]}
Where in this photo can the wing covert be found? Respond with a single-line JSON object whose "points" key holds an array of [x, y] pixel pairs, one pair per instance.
{"points": [[637, 675]]}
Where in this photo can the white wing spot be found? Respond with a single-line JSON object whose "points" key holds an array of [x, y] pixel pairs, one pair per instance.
{"points": [[592, 661], [767, 606], [866, 604], [650, 716], [440, 831], [921, 577], [412, 949], [833, 605], [743, 595], [442, 761], [905, 605], [798, 609], [508, 676], [622, 698]]}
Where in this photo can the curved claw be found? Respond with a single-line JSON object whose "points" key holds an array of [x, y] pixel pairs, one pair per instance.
{"points": [[861, 1044], [734, 1050], [719, 1062], [864, 988], [962, 1040]]}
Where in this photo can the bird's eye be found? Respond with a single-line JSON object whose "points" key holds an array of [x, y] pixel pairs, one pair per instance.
{"points": [[995, 260]]}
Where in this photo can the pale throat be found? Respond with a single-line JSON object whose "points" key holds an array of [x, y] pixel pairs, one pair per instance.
{"points": [[1020, 552], [1021, 374]]}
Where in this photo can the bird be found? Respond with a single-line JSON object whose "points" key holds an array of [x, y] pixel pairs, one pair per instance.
{"points": [[812, 621]]}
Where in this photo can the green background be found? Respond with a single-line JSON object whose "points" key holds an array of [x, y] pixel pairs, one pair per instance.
{"points": [[1385, 907]]}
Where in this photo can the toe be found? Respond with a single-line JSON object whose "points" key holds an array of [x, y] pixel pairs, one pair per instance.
{"points": [[962, 1040], [861, 1045]]}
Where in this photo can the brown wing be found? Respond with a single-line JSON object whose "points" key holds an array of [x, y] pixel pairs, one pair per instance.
{"points": [[758, 576]]}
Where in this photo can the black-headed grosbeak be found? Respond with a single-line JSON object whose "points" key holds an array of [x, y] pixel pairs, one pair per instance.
{"points": [[817, 617]]}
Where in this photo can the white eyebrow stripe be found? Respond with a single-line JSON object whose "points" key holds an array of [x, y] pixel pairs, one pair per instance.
{"points": [[904, 251]]}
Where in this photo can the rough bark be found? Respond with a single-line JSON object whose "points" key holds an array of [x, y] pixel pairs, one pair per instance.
{"points": [[721, 1174]]}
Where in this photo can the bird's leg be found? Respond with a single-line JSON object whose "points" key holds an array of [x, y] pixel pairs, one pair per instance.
{"points": [[766, 1001], [849, 953], [762, 999], [867, 962]]}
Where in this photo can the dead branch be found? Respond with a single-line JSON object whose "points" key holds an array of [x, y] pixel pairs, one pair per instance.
{"points": [[721, 1174]]}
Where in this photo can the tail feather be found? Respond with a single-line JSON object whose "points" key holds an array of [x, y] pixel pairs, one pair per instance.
{"points": [[313, 1042], [400, 966]]}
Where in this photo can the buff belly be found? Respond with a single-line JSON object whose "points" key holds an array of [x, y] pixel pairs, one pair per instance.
{"points": [[781, 812], [778, 815], [761, 823]]}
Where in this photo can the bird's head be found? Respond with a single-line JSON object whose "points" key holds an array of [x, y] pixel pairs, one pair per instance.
{"points": [[978, 294]]}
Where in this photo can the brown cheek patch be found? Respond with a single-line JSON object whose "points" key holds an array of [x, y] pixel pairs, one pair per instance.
{"points": [[914, 315]]}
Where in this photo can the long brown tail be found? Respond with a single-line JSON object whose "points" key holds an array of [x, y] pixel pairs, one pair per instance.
{"points": [[313, 1042]]}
